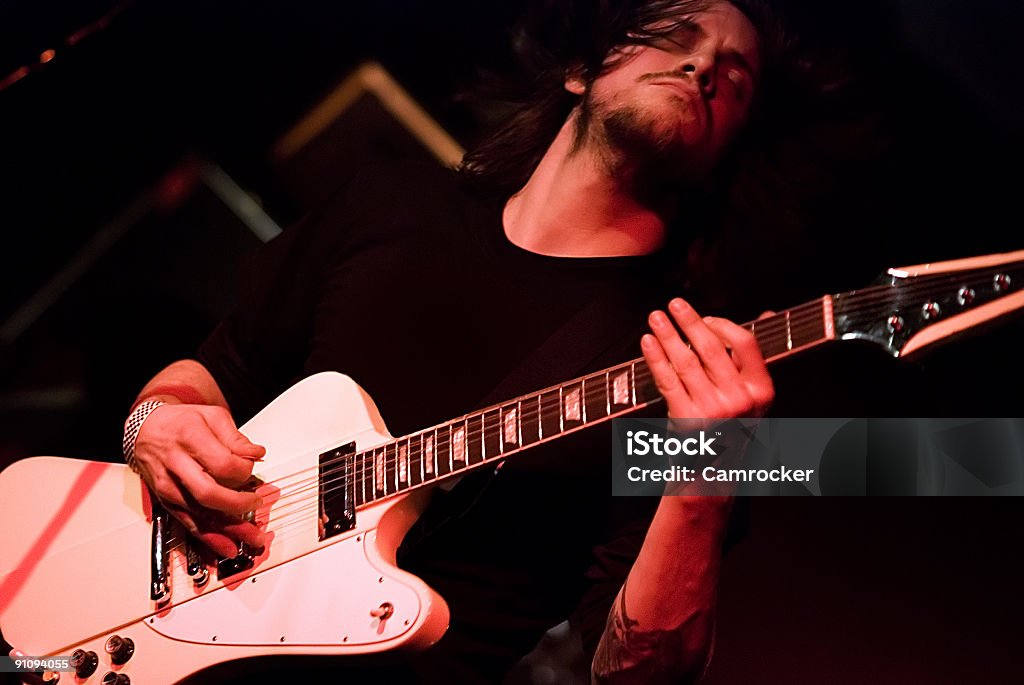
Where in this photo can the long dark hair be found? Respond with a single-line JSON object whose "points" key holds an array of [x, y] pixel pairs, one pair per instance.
{"points": [[810, 144], [560, 36]]}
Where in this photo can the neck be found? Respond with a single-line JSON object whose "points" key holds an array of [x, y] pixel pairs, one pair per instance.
{"points": [[577, 204]]}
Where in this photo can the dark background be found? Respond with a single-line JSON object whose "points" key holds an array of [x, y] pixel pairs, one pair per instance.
{"points": [[100, 141]]}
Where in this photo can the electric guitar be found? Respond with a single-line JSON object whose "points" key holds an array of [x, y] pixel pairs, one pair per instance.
{"points": [[91, 569]]}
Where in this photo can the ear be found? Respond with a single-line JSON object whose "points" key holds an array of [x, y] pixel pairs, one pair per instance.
{"points": [[574, 81]]}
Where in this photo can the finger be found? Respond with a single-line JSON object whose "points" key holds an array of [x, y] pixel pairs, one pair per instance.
{"points": [[684, 359], [206, 491], [664, 375], [247, 532], [164, 486], [766, 314], [223, 426], [219, 543], [226, 467], [746, 352], [218, 532], [705, 343]]}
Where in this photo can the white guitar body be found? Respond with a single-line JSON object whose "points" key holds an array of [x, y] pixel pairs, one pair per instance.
{"points": [[76, 536], [75, 558]]}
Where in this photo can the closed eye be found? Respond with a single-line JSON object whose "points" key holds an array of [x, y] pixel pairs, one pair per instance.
{"points": [[738, 79]]}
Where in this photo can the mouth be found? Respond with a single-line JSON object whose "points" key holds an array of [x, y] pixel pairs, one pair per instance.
{"points": [[691, 99], [678, 86]]}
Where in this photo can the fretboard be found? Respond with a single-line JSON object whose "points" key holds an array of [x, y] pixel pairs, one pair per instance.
{"points": [[492, 434]]}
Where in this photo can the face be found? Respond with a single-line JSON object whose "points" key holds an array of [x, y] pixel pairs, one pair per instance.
{"points": [[680, 102]]}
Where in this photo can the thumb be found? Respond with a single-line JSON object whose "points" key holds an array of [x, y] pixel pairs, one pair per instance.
{"points": [[244, 447], [766, 314], [223, 426]]}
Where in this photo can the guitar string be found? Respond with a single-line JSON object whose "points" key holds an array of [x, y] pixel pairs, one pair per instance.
{"points": [[392, 465], [764, 328], [310, 506], [415, 461], [932, 284], [865, 300], [773, 325], [870, 300], [392, 460]]}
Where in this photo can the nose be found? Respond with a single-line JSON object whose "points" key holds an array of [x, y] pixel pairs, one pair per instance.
{"points": [[701, 67]]}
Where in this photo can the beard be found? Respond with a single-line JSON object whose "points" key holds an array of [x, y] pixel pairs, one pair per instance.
{"points": [[637, 142]]}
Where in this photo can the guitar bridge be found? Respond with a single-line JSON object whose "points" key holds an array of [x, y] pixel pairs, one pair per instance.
{"points": [[229, 566], [243, 561], [337, 510]]}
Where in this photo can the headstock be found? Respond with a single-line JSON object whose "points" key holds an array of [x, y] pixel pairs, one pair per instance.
{"points": [[911, 307]]}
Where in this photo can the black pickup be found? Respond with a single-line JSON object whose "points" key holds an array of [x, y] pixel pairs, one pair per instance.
{"points": [[337, 509]]}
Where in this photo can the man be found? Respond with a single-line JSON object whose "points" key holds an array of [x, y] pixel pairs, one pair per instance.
{"points": [[432, 298]]}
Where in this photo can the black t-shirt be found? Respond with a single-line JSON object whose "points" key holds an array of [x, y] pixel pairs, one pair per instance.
{"points": [[408, 284]]}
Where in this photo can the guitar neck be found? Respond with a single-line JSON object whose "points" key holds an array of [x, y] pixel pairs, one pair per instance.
{"points": [[498, 431], [906, 310]]}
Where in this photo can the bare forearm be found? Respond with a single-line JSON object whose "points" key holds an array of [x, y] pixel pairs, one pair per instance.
{"points": [[660, 627], [184, 382]]}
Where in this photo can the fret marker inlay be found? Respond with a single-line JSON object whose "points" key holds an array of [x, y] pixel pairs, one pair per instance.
{"points": [[620, 388], [403, 464], [459, 444], [510, 432], [572, 406], [378, 469]]}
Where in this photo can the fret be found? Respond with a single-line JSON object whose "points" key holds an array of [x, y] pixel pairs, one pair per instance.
{"points": [[540, 417], [501, 430], [492, 428], [632, 380], [442, 451], [811, 331], [777, 337], [644, 388], [561, 414], [607, 393], [416, 460], [357, 476], [529, 421], [583, 399], [364, 477], [391, 467], [550, 413], [519, 422], [474, 439], [595, 398], [828, 323], [770, 338]]}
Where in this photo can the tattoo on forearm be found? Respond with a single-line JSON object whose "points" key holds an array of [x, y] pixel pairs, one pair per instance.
{"points": [[627, 655]]}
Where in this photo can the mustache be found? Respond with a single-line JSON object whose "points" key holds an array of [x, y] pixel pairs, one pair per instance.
{"points": [[676, 74]]}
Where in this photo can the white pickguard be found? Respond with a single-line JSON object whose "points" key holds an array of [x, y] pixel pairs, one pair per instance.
{"points": [[318, 599]]}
